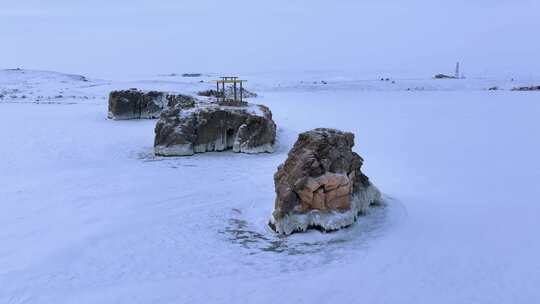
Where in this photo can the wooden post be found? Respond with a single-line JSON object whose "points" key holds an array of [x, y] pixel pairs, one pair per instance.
{"points": [[223, 87], [235, 91], [241, 90]]}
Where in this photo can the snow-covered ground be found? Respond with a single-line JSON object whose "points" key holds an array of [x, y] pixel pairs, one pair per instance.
{"points": [[90, 215]]}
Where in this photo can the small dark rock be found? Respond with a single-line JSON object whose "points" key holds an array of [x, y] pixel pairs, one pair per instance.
{"points": [[443, 76], [527, 88]]}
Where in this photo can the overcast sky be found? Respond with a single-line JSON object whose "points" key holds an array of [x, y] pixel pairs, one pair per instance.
{"points": [[116, 38]]}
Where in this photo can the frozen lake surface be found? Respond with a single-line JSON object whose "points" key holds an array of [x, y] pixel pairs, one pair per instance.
{"points": [[90, 215]]}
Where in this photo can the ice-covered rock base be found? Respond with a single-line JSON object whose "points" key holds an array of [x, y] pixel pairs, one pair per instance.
{"points": [[331, 220]]}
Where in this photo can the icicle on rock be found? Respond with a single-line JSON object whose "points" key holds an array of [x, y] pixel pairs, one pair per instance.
{"points": [[320, 185]]}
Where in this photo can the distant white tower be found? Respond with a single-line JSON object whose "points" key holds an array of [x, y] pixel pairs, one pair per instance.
{"points": [[457, 70]]}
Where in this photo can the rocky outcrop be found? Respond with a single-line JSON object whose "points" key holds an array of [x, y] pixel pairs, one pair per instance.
{"points": [[320, 185], [529, 88], [136, 104], [186, 129], [229, 93]]}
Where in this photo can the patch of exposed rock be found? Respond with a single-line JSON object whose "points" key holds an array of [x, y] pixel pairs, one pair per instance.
{"points": [[320, 185], [186, 129], [529, 88], [444, 76], [191, 75]]}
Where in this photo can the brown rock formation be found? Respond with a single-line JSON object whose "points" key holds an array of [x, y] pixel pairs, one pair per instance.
{"points": [[320, 185]]}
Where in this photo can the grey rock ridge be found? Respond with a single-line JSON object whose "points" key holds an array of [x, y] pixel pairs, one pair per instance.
{"points": [[204, 126], [320, 185], [136, 104]]}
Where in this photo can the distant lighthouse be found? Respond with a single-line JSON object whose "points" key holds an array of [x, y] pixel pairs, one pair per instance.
{"points": [[457, 70]]}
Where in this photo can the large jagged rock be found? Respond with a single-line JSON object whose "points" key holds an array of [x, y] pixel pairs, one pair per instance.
{"points": [[136, 104], [320, 185], [186, 129]]}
